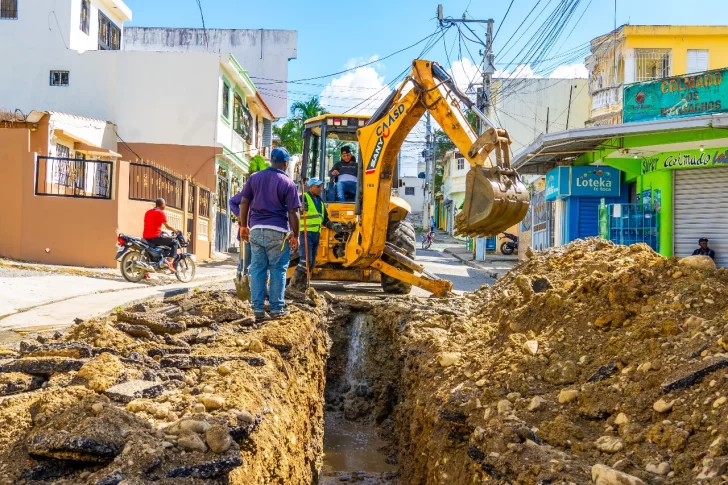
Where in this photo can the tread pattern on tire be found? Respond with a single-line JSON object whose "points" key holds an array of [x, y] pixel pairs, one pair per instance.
{"points": [[402, 235]]}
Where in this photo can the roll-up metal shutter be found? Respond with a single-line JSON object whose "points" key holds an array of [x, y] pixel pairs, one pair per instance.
{"points": [[700, 205]]}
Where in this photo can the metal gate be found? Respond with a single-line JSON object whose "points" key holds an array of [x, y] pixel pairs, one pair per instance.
{"points": [[191, 217], [222, 213], [541, 222], [700, 205]]}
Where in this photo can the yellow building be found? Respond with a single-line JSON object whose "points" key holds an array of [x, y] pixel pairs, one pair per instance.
{"points": [[635, 53]]}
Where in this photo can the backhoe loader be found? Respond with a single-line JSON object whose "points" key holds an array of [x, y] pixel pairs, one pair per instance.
{"points": [[374, 242]]}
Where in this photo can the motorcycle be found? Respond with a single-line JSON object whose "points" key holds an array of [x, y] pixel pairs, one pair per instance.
{"points": [[138, 258], [508, 247], [427, 240]]}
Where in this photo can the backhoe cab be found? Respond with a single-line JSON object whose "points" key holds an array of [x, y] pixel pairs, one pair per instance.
{"points": [[377, 243]]}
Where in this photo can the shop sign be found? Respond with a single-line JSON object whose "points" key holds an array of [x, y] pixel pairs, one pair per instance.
{"points": [[715, 157], [584, 181], [557, 183], [590, 181], [676, 97]]}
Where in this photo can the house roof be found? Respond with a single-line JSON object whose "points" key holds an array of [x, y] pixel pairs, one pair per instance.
{"points": [[563, 147]]}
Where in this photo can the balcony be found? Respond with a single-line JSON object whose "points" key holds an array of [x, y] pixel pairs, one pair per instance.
{"points": [[606, 97]]}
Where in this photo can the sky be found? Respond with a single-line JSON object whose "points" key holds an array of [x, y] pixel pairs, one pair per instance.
{"points": [[338, 35]]}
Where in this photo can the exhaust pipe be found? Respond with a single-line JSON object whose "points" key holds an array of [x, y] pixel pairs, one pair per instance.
{"points": [[144, 265]]}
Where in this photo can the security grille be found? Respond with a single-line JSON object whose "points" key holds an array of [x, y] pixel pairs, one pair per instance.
{"points": [[8, 9], [651, 64]]}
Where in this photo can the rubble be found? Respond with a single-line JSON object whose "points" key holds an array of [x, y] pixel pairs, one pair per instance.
{"points": [[106, 403]]}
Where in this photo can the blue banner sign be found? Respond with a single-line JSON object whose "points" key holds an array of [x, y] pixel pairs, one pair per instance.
{"points": [[583, 181]]}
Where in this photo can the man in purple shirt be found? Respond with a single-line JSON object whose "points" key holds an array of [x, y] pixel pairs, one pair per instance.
{"points": [[269, 222]]}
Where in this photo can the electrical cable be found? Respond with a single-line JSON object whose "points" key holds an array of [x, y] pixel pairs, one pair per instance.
{"points": [[503, 21], [204, 28]]}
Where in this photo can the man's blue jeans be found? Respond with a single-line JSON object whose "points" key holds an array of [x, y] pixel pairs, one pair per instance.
{"points": [[270, 252], [313, 243], [343, 188]]}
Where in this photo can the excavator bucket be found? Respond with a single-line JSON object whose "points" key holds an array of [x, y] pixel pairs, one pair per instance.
{"points": [[495, 200]]}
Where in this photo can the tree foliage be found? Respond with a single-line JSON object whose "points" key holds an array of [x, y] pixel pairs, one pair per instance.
{"points": [[291, 131]]}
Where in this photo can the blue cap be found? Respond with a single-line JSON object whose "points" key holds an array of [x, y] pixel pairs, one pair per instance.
{"points": [[279, 155], [314, 181]]}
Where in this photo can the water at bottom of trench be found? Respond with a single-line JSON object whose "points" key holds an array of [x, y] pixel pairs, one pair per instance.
{"points": [[352, 452]]}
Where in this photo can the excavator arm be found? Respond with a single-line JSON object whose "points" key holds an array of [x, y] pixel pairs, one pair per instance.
{"points": [[495, 197]]}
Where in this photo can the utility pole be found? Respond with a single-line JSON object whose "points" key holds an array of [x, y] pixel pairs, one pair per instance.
{"points": [[488, 64], [429, 154]]}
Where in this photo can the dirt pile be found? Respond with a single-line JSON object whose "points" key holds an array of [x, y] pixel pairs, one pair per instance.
{"points": [[186, 389], [590, 354]]}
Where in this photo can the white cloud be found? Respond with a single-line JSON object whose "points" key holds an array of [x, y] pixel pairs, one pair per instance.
{"points": [[570, 72], [351, 89], [520, 71], [465, 72]]}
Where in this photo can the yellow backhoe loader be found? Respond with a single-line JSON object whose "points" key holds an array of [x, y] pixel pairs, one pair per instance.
{"points": [[377, 244]]}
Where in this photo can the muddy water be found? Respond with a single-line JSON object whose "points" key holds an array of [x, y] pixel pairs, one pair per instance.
{"points": [[351, 447]]}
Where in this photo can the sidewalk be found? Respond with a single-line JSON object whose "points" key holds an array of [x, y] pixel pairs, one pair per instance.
{"points": [[52, 297], [496, 265]]}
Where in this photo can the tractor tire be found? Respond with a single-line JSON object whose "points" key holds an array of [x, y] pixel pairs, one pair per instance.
{"points": [[402, 235]]}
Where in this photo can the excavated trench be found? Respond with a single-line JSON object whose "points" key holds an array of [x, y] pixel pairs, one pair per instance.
{"points": [[360, 398]]}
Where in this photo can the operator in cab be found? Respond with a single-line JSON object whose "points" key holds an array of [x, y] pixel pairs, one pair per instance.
{"points": [[346, 172], [154, 219]]}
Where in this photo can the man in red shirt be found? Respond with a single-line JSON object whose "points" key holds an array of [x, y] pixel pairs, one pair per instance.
{"points": [[154, 219]]}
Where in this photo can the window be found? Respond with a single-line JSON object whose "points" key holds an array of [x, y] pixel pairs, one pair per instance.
{"points": [[62, 151], [409, 191], [85, 10], [59, 78], [8, 9], [697, 60], [109, 34], [461, 163], [226, 100], [651, 64], [242, 118]]}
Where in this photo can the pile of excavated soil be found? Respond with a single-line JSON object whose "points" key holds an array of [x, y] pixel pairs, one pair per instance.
{"points": [[187, 390], [589, 362]]}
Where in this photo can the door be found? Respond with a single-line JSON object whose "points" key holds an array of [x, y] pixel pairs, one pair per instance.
{"points": [[541, 223], [700, 207], [222, 212]]}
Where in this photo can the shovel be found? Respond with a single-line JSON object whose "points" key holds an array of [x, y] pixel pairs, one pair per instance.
{"points": [[242, 281]]}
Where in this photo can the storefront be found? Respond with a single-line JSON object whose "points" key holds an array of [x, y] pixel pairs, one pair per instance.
{"points": [[576, 193]]}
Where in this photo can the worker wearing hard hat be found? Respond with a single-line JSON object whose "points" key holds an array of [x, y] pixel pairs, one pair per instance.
{"points": [[315, 216]]}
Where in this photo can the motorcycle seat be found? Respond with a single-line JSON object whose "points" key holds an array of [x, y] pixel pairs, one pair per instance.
{"points": [[158, 247]]}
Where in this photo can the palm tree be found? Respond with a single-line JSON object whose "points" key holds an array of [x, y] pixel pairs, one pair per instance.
{"points": [[290, 135], [304, 110]]}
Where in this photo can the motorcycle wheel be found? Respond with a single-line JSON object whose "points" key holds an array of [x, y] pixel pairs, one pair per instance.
{"points": [[128, 267], [185, 270], [426, 243], [506, 249]]}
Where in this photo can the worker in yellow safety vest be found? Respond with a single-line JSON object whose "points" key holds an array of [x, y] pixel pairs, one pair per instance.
{"points": [[316, 217]]}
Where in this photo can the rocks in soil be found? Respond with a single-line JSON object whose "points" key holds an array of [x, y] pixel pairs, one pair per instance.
{"points": [[193, 361], [603, 475], [191, 441], [42, 365], [156, 322], [76, 350], [218, 439], [136, 330], [15, 382], [134, 389]]}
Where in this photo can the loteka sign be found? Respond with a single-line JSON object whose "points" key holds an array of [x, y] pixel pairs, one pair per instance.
{"points": [[583, 181], [694, 94]]}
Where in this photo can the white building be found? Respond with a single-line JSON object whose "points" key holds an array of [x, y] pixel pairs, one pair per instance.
{"points": [[455, 169], [195, 113], [264, 53], [412, 190], [528, 107]]}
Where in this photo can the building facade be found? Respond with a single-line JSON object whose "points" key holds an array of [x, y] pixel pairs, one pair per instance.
{"points": [[639, 53], [204, 123], [412, 189], [264, 53], [528, 107]]}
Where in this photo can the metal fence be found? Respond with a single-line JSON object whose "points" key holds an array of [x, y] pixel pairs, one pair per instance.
{"points": [[8, 9], [150, 183], [204, 208], [73, 177]]}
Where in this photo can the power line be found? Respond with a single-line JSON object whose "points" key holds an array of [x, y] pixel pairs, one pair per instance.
{"points": [[278, 81], [204, 28], [503, 21]]}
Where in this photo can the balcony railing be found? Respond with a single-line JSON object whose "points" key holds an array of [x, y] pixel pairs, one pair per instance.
{"points": [[73, 177], [607, 97]]}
